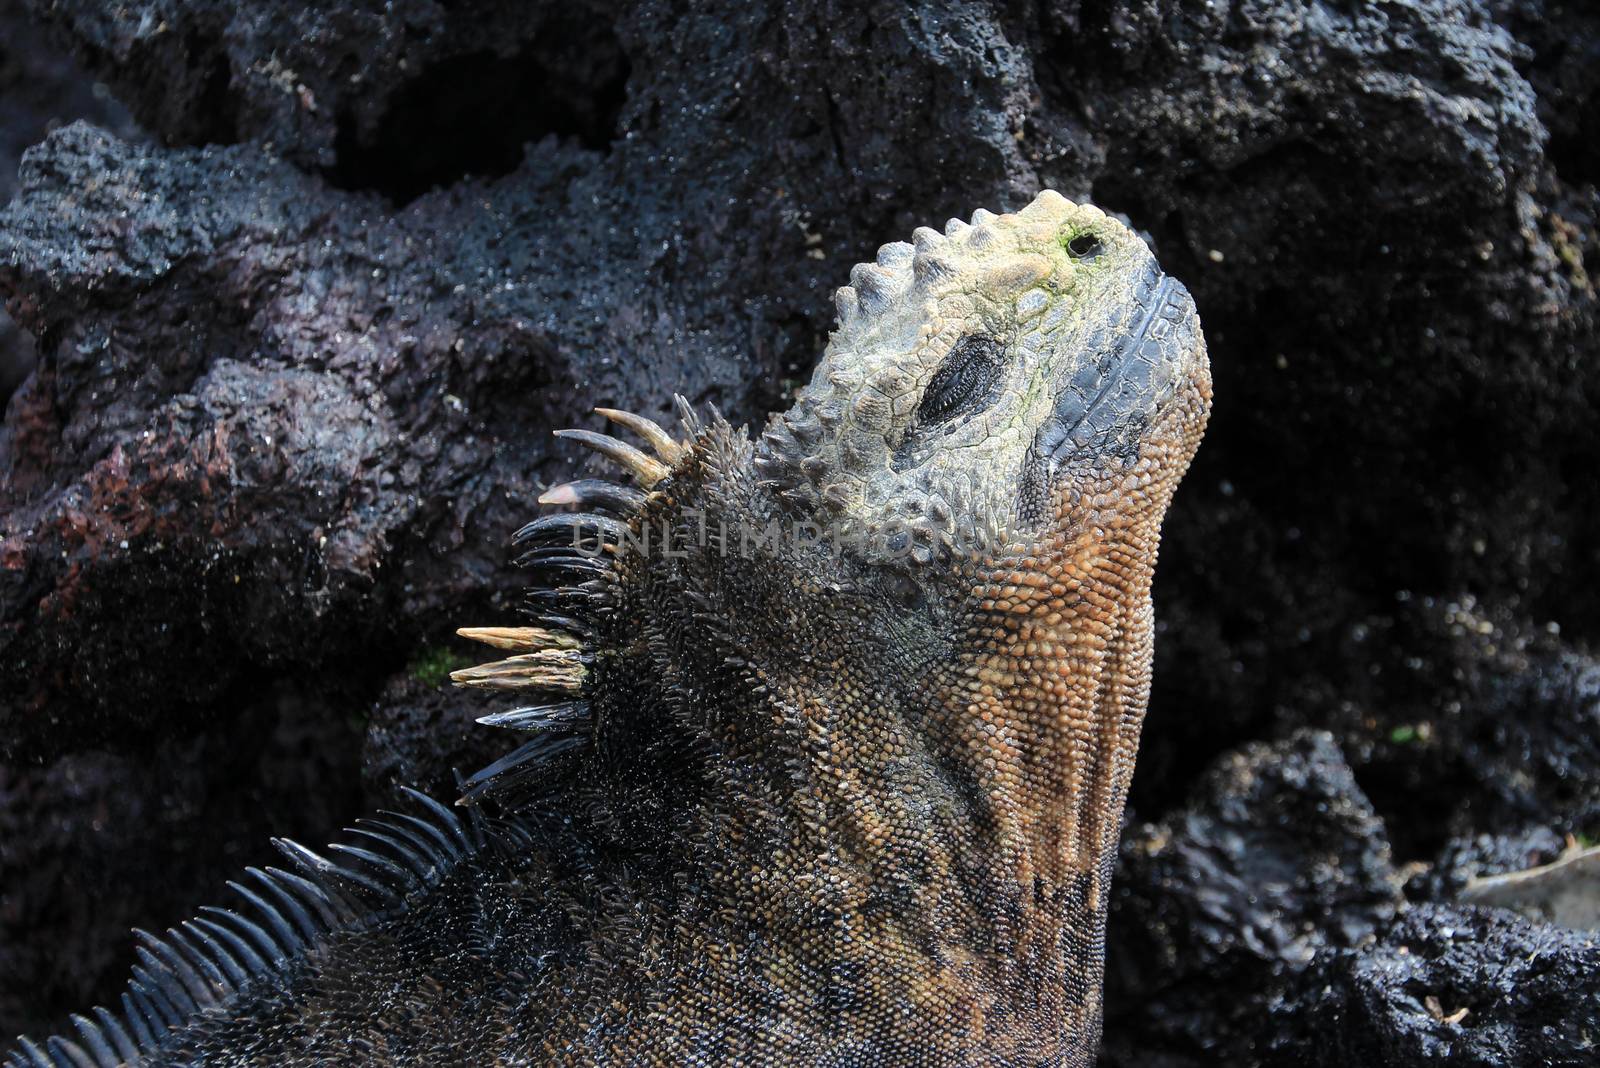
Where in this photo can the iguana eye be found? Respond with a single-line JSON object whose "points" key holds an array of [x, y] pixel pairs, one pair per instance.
{"points": [[902, 589], [967, 374], [1084, 247]]}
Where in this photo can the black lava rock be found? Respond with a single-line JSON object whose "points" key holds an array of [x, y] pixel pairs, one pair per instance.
{"points": [[40, 87], [1278, 857], [1458, 986], [424, 734], [1463, 859]]}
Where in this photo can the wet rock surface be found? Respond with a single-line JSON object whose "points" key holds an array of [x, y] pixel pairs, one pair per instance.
{"points": [[301, 337], [1277, 857], [1445, 985], [423, 735], [101, 840], [40, 87]]}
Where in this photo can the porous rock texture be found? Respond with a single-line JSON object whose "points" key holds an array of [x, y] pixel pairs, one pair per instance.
{"points": [[40, 87], [1276, 858], [1447, 986], [301, 338]]}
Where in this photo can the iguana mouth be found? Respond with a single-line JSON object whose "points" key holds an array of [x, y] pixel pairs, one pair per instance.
{"points": [[1136, 359], [1104, 407]]}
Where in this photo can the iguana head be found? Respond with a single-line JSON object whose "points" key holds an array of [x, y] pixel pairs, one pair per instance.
{"points": [[971, 369], [872, 684]]}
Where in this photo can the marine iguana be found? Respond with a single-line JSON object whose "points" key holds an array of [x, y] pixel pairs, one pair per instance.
{"points": [[834, 726]]}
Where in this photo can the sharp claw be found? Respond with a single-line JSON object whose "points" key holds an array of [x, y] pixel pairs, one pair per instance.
{"points": [[687, 416], [646, 470], [565, 715], [594, 491], [520, 639], [547, 669], [661, 441]]}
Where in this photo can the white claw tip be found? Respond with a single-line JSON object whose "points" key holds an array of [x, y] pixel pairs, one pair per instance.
{"points": [[562, 494]]}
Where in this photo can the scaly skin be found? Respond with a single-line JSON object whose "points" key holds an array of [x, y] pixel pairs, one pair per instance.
{"points": [[842, 802]]}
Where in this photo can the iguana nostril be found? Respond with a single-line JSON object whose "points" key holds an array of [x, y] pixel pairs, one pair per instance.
{"points": [[1084, 247]]}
